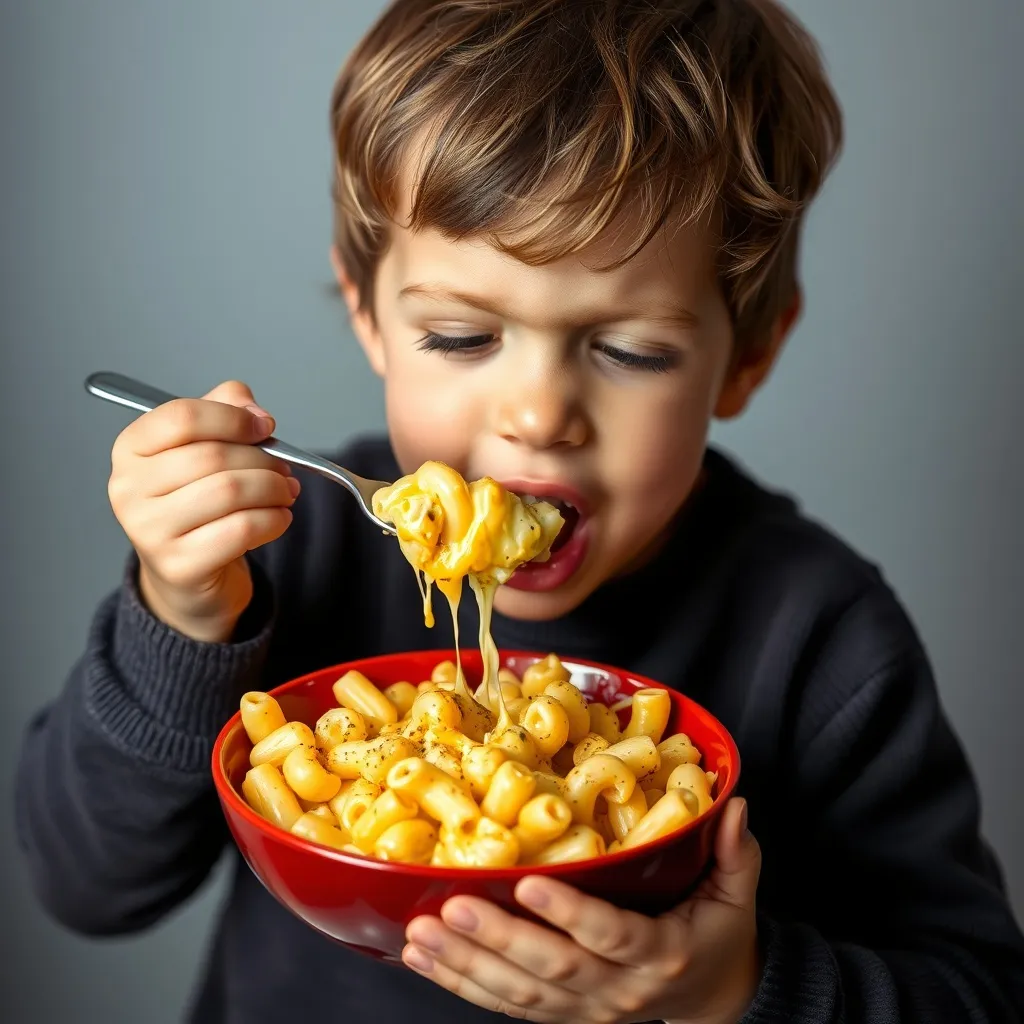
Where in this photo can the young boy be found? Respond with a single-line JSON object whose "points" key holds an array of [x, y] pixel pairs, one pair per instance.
{"points": [[567, 236]]}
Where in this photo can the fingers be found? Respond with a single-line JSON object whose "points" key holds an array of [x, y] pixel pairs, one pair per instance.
{"points": [[541, 952], [620, 936], [198, 555], [213, 497], [166, 472], [484, 977], [186, 420]]}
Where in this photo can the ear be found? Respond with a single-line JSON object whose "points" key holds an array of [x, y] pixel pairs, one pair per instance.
{"points": [[747, 375], [363, 324]]}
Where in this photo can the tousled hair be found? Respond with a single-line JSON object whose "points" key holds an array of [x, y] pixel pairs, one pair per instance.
{"points": [[541, 123]]}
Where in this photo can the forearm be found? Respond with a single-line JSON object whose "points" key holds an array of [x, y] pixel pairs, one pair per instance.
{"points": [[116, 809]]}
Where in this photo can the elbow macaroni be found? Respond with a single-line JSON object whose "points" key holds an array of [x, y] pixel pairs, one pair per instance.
{"points": [[430, 794], [520, 771]]}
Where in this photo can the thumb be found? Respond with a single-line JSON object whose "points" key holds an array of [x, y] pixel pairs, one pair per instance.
{"points": [[737, 867]]}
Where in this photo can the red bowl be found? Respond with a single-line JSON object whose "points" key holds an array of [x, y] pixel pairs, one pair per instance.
{"points": [[366, 904]]}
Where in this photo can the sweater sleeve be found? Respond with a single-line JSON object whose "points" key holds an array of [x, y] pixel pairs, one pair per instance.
{"points": [[115, 807], [894, 908]]}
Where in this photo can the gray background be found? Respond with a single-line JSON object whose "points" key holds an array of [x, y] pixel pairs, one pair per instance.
{"points": [[164, 211]]}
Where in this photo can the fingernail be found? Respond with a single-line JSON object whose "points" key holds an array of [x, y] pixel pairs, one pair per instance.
{"points": [[533, 897], [263, 420], [462, 918], [743, 819], [294, 486], [417, 959]]}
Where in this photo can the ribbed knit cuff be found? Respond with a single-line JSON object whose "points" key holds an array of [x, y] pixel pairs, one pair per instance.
{"points": [[799, 983], [163, 695]]}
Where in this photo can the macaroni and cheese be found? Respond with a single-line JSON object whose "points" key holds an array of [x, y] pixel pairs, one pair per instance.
{"points": [[523, 771]]}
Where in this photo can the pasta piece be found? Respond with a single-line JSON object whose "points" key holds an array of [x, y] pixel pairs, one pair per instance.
{"points": [[438, 794], [668, 815], [411, 842], [575, 705], [624, 817], [637, 752], [357, 802], [691, 781], [444, 672], [322, 811], [547, 722], [339, 725], [273, 749], [402, 696], [261, 715], [313, 827], [649, 715], [268, 795], [599, 775], [513, 784], [652, 796], [592, 743], [479, 763], [673, 751], [579, 842], [308, 777], [604, 722], [482, 843], [518, 745], [369, 759], [388, 809], [353, 690], [537, 677], [541, 821], [448, 760]]}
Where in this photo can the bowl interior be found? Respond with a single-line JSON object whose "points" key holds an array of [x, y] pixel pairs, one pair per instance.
{"points": [[307, 698]]}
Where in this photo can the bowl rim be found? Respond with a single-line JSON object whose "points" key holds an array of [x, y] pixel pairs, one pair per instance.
{"points": [[227, 793]]}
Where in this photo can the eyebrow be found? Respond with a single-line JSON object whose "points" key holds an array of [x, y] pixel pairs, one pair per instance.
{"points": [[677, 316]]}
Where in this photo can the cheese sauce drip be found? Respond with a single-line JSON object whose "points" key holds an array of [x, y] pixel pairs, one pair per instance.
{"points": [[449, 530]]}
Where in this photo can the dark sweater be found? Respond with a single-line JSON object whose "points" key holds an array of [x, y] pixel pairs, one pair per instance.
{"points": [[878, 899]]}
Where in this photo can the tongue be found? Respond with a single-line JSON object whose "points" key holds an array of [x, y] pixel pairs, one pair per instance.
{"points": [[571, 517]]}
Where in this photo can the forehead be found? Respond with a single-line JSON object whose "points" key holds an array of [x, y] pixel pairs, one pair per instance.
{"points": [[678, 261]]}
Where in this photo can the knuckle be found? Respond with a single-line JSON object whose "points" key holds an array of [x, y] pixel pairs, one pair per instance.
{"points": [[615, 941], [229, 487], [183, 417], [672, 968], [558, 969]]}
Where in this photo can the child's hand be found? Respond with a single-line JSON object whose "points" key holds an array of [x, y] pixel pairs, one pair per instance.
{"points": [[697, 963], [194, 495]]}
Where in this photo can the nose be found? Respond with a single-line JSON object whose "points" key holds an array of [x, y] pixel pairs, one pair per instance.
{"points": [[541, 412]]}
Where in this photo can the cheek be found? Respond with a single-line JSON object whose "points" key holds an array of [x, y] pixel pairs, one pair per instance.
{"points": [[657, 450], [426, 419]]}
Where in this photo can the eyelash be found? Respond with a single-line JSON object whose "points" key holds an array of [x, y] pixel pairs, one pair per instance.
{"points": [[628, 360]]}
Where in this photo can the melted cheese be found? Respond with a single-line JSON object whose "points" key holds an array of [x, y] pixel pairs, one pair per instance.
{"points": [[451, 530]]}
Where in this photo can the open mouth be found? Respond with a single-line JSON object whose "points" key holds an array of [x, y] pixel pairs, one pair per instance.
{"points": [[570, 514]]}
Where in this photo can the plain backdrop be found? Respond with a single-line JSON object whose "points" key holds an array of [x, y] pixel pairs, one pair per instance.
{"points": [[164, 212]]}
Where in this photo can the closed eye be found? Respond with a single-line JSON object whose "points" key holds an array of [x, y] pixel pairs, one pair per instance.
{"points": [[659, 363], [447, 344]]}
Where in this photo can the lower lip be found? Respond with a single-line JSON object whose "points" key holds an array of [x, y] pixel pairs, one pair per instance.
{"points": [[558, 569]]}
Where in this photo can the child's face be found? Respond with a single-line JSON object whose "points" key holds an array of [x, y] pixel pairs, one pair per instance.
{"points": [[596, 388]]}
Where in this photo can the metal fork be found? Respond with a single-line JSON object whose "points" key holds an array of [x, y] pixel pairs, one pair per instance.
{"points": [[121, 390]]}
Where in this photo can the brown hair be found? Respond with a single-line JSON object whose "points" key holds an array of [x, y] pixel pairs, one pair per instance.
{"points": [[550, 118]]}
